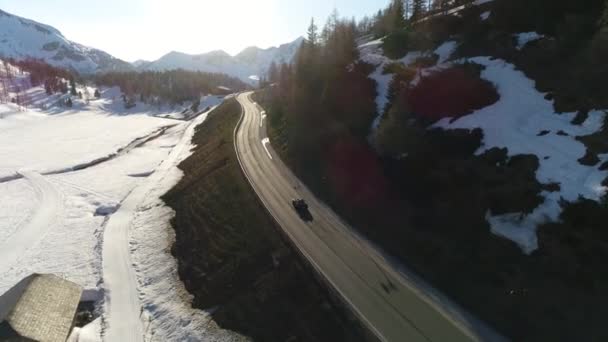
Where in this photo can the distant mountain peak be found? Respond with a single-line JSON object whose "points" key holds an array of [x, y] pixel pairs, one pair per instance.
{"points": [[22, 38], [220, 53], [250, 49], [247, 65], [140, 62]]}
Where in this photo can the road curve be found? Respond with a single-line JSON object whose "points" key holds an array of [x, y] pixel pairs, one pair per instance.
{"points": [[44, 218], [392, 306], [122, 308]]}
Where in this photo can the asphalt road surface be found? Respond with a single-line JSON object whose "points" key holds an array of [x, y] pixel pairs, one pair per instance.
{"points": [[387, 301]]}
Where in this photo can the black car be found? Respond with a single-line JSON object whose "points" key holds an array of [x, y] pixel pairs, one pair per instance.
{"points": [[302, 209]]}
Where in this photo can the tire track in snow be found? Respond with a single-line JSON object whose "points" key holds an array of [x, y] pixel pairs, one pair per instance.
{"points": [[44, 218], [122, 317]]}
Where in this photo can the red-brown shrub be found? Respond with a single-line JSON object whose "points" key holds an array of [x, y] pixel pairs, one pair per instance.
{"points": [[452, 92]]}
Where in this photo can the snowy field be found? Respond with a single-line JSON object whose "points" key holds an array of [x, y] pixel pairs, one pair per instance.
{"points": [[65, 172], [67, 242], [57, 142]]}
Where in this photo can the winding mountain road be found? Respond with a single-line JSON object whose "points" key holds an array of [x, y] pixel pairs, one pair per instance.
{"points": [[395, 307]]}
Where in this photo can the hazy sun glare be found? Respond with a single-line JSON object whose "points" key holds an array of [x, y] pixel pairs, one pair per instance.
{"points": [[148, 29], [230, 24]]}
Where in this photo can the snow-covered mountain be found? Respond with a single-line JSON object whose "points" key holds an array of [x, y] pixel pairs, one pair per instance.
{"points": [[248, 64], [139, 63], [22, 38]]}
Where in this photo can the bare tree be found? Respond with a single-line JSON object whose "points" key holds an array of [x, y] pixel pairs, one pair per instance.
{"points": [[9, 75], [18, 98], [87, 94], [3, 85]]}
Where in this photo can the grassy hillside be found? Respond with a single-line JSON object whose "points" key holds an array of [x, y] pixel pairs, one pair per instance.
{"points": [[231, 256]]}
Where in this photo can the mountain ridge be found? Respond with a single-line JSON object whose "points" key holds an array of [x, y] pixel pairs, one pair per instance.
{"points": [[23, 38], [247, 65]]}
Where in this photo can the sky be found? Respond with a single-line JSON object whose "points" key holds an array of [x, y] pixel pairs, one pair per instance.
{"points": [[148, 29]]}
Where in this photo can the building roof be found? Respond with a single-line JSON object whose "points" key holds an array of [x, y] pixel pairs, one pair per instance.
{"points": [[39, 308]]}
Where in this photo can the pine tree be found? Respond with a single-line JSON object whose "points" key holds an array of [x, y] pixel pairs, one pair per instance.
{"points": [[273, 73], [18, 100], [604, 20], [326, 31], [195, 105], [398, 15], [364, 26], [407, 8], [440, 5], [378, 28], [47, 87], [73, 87], [313, 35], [8, 70], [87, 94], [418, 9]]}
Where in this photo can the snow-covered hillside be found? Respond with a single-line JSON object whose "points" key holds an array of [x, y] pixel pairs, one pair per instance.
{"points": [[22, 38], [523, 121], [247, 65], [140, 62]]}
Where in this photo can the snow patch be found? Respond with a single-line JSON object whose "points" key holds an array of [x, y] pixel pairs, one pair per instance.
{"points": [[89, 333], [210, 101], [372, 54], [514, 122], [166, 304], [445, 51], [525, 38], [411, 57], [373, 43]]}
